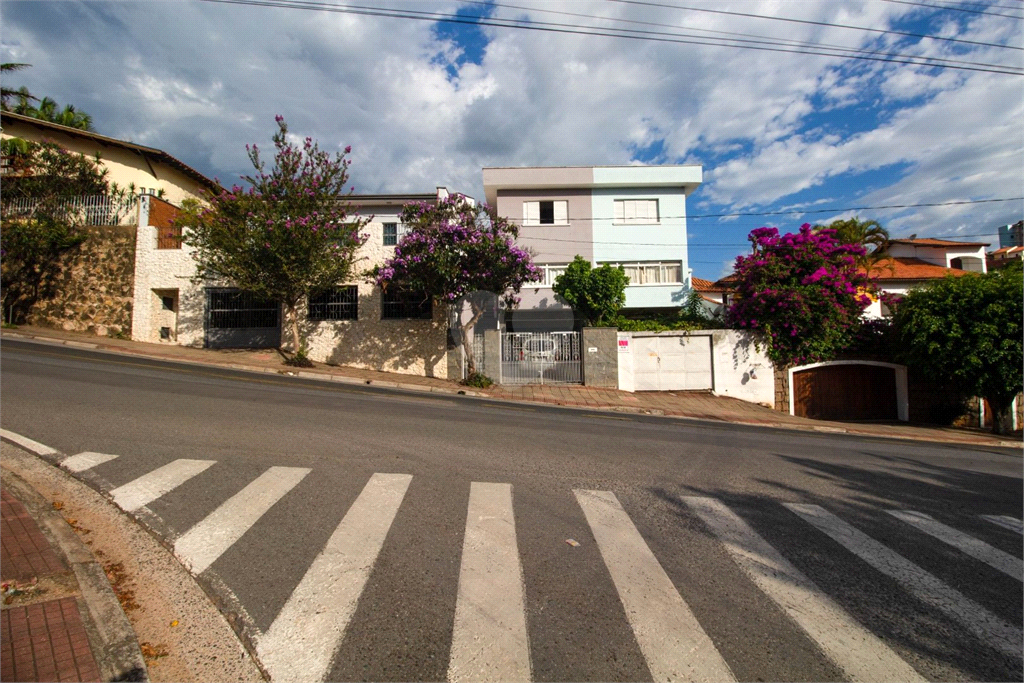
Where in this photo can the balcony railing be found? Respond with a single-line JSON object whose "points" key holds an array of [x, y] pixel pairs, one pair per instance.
{"points": [[87, 210]]}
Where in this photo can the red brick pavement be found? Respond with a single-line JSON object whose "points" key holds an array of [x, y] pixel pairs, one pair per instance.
{"points": [[25, 551], [42, 641]]}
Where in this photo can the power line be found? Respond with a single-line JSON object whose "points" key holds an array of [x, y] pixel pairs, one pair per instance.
{"points": [[744, 37], [816, 23], [954, 9], [551, 27], [801, 212]]}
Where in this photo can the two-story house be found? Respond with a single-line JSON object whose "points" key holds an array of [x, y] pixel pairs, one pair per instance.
{"points": [[633, 216]]}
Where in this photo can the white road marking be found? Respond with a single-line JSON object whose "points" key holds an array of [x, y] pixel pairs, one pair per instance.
{"points": [[489, 640], [670, 637], [201, 545], [979, 550], [149, 487], [85, 461], [300, 644], [858, 652], [27, 443], [1007, 522], [987, 626]]}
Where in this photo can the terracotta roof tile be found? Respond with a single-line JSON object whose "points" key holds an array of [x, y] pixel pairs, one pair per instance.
{"points": [[702, 285], [932, 242], [905, 268]]}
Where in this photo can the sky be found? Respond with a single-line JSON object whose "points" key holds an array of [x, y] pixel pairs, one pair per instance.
{"points": [[427, 103]]}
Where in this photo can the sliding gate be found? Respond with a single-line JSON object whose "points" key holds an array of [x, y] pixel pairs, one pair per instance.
{"points": [[541, 358]]}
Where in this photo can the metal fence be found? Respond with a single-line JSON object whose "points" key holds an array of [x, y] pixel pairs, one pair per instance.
{"points": [[541, 358], [239, 319], [87, 210]]}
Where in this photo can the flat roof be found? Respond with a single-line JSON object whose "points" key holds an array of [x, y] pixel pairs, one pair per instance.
{"points": [[497, 178]]}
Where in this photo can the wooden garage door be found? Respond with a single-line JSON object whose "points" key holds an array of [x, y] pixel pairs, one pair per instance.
{"points": [[845, 392]]}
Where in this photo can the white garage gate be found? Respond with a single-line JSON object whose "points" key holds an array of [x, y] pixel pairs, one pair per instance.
{"points": [[667, 363]]}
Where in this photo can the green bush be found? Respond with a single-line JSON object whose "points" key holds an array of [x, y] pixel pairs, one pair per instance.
{"points": [[478, 380]]}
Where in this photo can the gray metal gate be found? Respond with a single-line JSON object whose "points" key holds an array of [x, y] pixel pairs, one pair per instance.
{"points": [[541, 358], [238, 319]]}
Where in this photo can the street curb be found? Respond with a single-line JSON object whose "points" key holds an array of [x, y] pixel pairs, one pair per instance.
{"points": [[654, 412], [111, 636]]}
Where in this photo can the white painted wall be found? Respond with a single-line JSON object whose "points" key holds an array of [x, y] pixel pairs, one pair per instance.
{"points": [[738, 368]]}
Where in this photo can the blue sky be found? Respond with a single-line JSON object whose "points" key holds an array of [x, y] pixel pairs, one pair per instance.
{"points": [[425, 103]]}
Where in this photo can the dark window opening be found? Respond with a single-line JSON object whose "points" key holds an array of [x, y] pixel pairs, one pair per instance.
{"points": [[547, 213], [397, 304], [339, 303], [234, 309], [168, 302], [390, 234]]}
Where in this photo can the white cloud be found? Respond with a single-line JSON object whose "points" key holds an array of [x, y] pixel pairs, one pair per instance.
{"points": [[200, 81]]}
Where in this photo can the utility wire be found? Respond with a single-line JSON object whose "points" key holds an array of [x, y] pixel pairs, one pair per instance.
{"points": [[743, 37], [589, 31], [954, 9], [801, 212], [814, 23]]}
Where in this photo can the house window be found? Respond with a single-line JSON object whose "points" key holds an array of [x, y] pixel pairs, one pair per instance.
{"points": [[636, 211], [546, 213], [402, 304], [393, 232], [337, 303], [549, 271], [653, 272]]}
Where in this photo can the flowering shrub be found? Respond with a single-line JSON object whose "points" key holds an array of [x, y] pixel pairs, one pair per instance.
{"points": [[454, 250], [801, 293], [289, 233]]}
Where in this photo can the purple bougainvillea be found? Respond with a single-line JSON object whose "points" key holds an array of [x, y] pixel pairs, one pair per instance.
{"points": [[801, 293]]}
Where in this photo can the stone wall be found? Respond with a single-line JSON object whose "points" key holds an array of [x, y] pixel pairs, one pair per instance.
{"points": [[94, 290]]}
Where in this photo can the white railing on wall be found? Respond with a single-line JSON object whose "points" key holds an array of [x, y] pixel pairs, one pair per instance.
{"points": [[88, 210]]}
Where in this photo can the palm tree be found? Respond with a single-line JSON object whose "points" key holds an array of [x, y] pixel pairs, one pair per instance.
{"points": [[868, 234], [7, 93]]}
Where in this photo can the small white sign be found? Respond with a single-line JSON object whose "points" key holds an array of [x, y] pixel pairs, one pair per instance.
{"points": [[592, 349]]}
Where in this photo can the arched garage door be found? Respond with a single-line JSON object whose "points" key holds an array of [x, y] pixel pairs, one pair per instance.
{"points": [[846, 392]]}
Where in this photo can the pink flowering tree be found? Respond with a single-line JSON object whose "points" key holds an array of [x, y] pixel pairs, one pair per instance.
{"points": [[801, 293], [455, 253], [291, 232]]}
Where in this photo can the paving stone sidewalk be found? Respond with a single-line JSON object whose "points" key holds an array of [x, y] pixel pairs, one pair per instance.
{"points": [[43, 634], [694, 405]]}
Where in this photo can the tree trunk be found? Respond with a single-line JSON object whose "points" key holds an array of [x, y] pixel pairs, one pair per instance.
{"points": [[467, 337], [291, 312], [1002, 416]]}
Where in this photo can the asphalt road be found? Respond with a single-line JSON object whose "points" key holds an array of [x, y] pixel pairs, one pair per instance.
{"points": [[949, 616]]}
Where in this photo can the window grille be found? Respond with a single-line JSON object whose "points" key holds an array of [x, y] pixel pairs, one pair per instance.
{"points": [[398, 304], [338, 303], [234, 309]]}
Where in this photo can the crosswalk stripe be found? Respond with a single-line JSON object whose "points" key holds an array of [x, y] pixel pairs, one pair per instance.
{"points": [[669, 635], [151, 486], [861, 655], [489, 640], [27, 443], [301, 643], [85, 461], [979, 550], [201, 545], [920, 583], [1007, 522]]}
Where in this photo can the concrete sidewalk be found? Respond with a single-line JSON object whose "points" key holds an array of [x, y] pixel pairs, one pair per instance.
{"points": [[693, 405]]}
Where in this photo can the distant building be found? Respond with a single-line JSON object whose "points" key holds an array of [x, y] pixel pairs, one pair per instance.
{"points": [[1011, 235]]}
